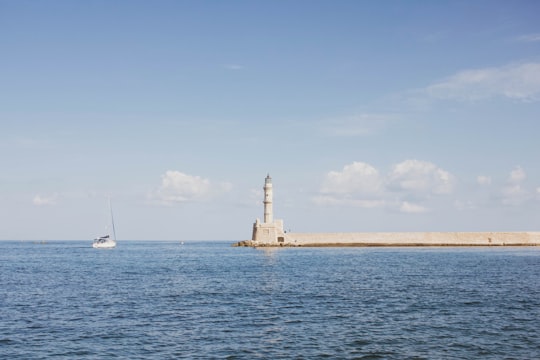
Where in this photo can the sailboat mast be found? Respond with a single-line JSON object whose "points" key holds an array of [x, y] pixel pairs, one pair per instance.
{"points": [[112, 220]]}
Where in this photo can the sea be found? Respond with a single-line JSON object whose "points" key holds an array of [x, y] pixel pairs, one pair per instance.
{"points": [[208, 300]]}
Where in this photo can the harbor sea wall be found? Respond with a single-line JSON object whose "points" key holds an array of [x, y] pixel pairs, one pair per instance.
{"points": [[270, 232], [402, 239]]}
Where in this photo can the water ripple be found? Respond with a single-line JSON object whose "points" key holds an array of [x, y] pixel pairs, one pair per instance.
{"points": [[159, 300]]}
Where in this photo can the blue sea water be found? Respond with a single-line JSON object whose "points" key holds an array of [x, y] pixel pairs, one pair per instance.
{"points": [[200, 300]]}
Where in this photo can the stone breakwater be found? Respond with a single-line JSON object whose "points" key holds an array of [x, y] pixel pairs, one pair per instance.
{"points": [[270, 233], [400, 239]]}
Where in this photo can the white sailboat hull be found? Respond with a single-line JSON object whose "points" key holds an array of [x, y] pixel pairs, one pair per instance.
{"points": [[106, 242], [109, 244]]}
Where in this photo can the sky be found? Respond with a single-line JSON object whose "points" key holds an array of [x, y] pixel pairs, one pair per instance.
{"points": [[368, 115]]}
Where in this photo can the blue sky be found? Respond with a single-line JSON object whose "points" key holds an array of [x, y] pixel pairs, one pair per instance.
{"points": [[369, 116]]}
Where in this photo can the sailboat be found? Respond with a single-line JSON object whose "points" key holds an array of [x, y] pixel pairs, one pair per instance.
{"points": [[106, 242]]}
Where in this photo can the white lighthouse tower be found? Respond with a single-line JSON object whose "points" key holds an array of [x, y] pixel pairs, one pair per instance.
{"points": [[270, 231], [268, 212]]}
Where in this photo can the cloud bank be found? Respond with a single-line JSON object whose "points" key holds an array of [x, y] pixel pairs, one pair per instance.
{"points": [[413, 186], [420, 177], [514, 193], [516, 81], [404, 188], [178, 187]]}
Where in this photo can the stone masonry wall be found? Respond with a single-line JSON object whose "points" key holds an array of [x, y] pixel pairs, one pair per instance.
{"points": [[414, 239]]}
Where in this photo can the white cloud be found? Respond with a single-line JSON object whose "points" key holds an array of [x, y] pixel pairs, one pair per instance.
{"points": [[177, 187], [483, 180], [420, 177], [513, 193], [517, 175], [515, 81], [360, 184], [410, 208], [357, 177], [40, 200]]}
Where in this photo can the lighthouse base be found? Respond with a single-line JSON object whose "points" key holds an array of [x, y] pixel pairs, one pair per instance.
{"points": [[268, 233]]}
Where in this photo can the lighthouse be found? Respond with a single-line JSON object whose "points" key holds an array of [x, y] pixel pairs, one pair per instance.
{"points": [[270, 231], [268, 213]]}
